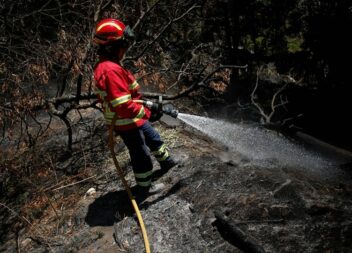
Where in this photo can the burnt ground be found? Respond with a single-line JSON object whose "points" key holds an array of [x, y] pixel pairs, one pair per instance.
{"points": [[281, 209]]}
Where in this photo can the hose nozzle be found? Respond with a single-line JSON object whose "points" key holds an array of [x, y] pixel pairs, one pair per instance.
{"points": [[158, 106], [170, 111]]}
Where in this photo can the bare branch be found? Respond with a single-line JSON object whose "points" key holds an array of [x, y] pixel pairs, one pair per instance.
{"points": [[196, 85], [253, 96], [284, 81], [273, 101], [144, 13], [161, 33], [75, 183]]}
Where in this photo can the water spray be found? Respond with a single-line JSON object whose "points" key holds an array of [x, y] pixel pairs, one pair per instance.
{"points": [[253, 142]]}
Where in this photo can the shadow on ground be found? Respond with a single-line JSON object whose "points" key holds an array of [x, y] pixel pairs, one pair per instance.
{"points": [[109, 208], [114, 206]]}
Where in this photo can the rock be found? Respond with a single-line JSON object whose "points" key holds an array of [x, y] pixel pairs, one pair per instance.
{"points": [[170, 121], [26, 242], [91, 192]]}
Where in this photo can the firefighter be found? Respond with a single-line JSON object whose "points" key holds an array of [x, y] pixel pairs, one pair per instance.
{"points": [[117, 90]]}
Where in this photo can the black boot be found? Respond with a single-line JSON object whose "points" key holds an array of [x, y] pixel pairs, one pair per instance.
{"points": [[167, 164], [143, 192]]}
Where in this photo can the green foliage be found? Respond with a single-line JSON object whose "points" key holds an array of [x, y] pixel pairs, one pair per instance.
{"points": [[294, 44]]}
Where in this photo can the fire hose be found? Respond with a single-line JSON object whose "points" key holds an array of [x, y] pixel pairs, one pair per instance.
{"points": [[167, 110], [126, 186]]}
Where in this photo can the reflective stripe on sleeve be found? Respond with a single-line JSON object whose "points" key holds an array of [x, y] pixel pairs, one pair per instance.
{"points": [[120, 100], [133, 86]]}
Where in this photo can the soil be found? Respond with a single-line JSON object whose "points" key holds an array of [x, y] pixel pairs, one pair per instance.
{"points": [[281, 209]]}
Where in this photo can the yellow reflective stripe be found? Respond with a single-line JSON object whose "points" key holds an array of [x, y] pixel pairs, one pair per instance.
{"points": [[120, 100], [140, 113], [106, 106], [123, 122], [109, 115], [160, 150], [109, 23], [145, 184], [164, 157], [143, 175], [133, 85], [163, 152]]}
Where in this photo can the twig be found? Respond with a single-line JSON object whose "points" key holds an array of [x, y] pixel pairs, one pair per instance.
{"points": [[184, 67], [65, 186], [253, 96], [144, 13], [58, 183], [161, 32], [194, 86], [18, 243], [44, 193], [274, 104]]}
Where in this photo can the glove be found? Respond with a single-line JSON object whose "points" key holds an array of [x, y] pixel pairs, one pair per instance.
{"points": [[156, 113], [155, 107], [155, 116]]}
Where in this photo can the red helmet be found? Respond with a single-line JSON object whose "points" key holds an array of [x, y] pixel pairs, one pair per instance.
{"points": [[109, 30]]}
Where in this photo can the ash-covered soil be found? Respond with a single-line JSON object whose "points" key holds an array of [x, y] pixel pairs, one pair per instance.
{"points": [[281, 209]]}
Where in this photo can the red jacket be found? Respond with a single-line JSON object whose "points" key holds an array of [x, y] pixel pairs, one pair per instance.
{"points": [[117, 89]]}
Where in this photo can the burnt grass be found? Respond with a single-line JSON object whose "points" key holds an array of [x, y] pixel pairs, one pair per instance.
{"points": [[280, 209]]}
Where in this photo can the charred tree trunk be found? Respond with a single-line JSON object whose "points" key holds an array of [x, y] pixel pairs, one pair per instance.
{"points": [[234, 235]]}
